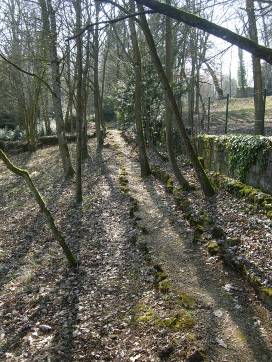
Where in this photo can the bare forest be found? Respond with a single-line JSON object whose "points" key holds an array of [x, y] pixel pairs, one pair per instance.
{"points": [[136, 180]]}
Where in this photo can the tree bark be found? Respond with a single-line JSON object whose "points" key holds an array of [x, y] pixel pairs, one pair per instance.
{"points": [[96, 81], [79, 108], [48, 16], [85, 99], [145, 169], [257, 70], [203, 178], [168, 110]]}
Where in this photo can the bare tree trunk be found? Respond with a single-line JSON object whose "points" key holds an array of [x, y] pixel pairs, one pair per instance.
{"points": [[98, 131], [168, 110], [257, 70], [145, 169], [203, 178], [48, 16], [79, 108], [44, 106], [70, 86], [85, 99]]}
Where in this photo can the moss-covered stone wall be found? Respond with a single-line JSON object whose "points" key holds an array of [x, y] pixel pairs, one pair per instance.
{"points": [[245, 157]]}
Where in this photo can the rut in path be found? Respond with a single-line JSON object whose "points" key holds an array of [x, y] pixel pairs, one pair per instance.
{"points": [[233, 324]]}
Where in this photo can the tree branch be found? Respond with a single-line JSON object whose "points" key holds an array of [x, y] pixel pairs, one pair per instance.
{"points": [[210, 27], [113, 21], [28, 73]]}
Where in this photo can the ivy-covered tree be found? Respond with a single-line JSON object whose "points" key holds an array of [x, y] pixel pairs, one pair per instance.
{"points": [[242, 76]]}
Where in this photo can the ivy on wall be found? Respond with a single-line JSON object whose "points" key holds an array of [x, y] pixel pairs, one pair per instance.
{"points": [[242, 151], [245, 150]]}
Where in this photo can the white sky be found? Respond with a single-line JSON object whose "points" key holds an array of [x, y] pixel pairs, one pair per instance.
{"points": [[227, 16]]}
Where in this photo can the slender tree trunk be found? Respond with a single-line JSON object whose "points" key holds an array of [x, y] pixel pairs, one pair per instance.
{"points": [[68, 114], [79, 108], [168, 110], [145, 169], [51, 31], [257, 70], [98, 131], [203, 178], [85, 99], [44, 106]]}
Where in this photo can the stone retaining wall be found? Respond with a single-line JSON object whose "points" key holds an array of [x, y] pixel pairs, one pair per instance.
{"points": [[217, 153]]}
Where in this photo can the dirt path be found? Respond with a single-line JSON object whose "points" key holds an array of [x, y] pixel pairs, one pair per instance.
{"points": [[231, 324], [142, 291]]}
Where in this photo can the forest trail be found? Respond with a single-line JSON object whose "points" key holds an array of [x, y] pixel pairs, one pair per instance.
{"points": [[232, 323], [143, 292]]}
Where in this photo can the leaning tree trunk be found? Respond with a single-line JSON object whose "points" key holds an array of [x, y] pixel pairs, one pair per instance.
{"points": [[58, 235], [257, 71], [218, 89], [51, 33], [168, 110], [145, 169], [203, 178]]}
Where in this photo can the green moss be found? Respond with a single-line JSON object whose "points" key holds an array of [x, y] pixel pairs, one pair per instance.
{"points": [[186, 300], [159, 173], [178, 322], [164, 286], [213, 247], [199, 230], [266, 295], [147, 315], [123, 181], [254, 196], [206, 219], [170, 185], [160, 276], [241, 151], [269, 215], [267, 206], [267, 291]]}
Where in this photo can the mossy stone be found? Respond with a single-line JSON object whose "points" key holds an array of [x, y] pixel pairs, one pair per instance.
{"points": [[160, 276], [164, 286], [213, 247], [178, 322], [144, 313], [170, 185], [186, 300], [266, 294]]}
